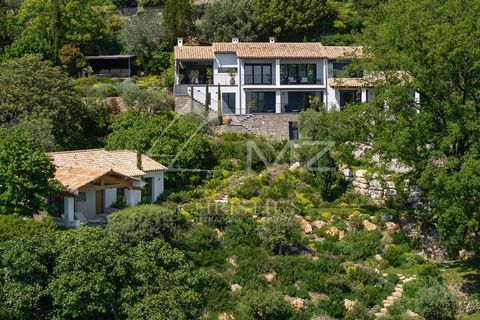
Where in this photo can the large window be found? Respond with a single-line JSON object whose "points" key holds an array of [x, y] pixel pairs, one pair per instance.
{"points": [[261, 102], [258, 74], [349, 97], [298, 101], [298, 74]]}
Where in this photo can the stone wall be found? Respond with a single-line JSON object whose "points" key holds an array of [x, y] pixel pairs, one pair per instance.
{"points": [[381, 188], [272, 125]]}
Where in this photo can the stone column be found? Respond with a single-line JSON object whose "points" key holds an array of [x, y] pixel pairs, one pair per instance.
{"points": [[69, 210], [364, 95], [277, 72], [278, 101]]}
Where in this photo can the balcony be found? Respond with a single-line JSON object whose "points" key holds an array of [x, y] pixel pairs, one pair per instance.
{"points": [[258, 79]]}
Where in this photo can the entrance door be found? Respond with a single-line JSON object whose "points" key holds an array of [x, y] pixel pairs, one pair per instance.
{"points": [[99, 201], [229, 103]]}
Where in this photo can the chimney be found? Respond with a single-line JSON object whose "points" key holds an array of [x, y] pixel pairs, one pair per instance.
{"points": [[180, 42], [139, 160], [272, 39], [235, 40]]}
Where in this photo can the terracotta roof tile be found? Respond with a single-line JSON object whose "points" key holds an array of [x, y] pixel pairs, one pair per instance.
{"points": [[196, 53], [75, 178], [337, 52], [350, 83], [121, 161], [254, 50]]}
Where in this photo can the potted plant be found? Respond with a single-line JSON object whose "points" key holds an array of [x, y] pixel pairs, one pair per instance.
{"points": [[194, 76], [232, 73], [209, 75]]}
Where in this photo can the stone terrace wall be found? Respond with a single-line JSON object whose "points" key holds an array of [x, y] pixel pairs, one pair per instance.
{"points": [[381, 188]]}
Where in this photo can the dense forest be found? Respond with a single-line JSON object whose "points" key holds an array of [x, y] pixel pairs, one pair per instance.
{"points": [[231, 239]]}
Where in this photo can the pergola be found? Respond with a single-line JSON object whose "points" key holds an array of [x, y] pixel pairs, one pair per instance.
{"points": [[118, 66]]}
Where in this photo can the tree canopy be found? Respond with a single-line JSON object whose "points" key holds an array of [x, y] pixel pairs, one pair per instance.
{"points": [[25, 175]]}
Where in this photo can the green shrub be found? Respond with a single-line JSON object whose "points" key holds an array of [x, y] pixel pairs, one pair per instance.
{"points": [[394, 255], [435, 302], [291, 290], [262, 304], [144, 223], [334, 306], [362, 244], [12, 226], [359, 312], [392, 278], [281, 231]]}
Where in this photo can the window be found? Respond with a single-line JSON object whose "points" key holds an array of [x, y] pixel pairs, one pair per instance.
{"points": [[228, 70], [56, 205], [261, 102], [258, 74], [298, 100], [229, 103], [293, 131], [147, 191], [82, 197], [120, 194], [298, 74], [349, 97]]}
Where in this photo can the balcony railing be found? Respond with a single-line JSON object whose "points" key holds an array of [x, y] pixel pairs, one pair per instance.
{"points": [[258, 79], [300, 81]]}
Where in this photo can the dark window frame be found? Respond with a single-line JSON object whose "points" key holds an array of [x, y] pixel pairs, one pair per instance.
{"points": [[293, 70], [147, 190], [251, 77], [357, 97], [260, 97]]}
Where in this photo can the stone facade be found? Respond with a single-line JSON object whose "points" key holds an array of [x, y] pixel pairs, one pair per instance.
{"points": [[271, 125], [381, 188]]}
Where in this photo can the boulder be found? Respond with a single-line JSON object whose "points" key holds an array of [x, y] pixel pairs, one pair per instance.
{"points": [[235, 288], [226, 316], [318, 224], [466, 255], [298, 304], [360, 173], [412, 315], [270, 276], [391, 226], [306, 227], [378, 258], [333, 231], [233, 261], [367, 225], [349, 304]]}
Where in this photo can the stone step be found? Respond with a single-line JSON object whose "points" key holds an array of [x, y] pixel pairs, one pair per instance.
{"points": [[387, 303], [397, 294], [384, 310], [380, 315], [392, 298]]}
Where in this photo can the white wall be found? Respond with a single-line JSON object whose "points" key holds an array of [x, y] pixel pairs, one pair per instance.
{"points": [[88, 207], [224, 60], [157, 184], [110, 197]]}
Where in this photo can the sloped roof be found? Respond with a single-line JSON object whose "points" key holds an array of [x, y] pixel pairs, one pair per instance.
{"points": [[266, 50], [75, 178], [337, 52], [350, 83], [195, 53], [121, 161]]}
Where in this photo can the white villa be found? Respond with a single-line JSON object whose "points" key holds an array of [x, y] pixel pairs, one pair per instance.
{"points": [[95, 181], [265, 85]]}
